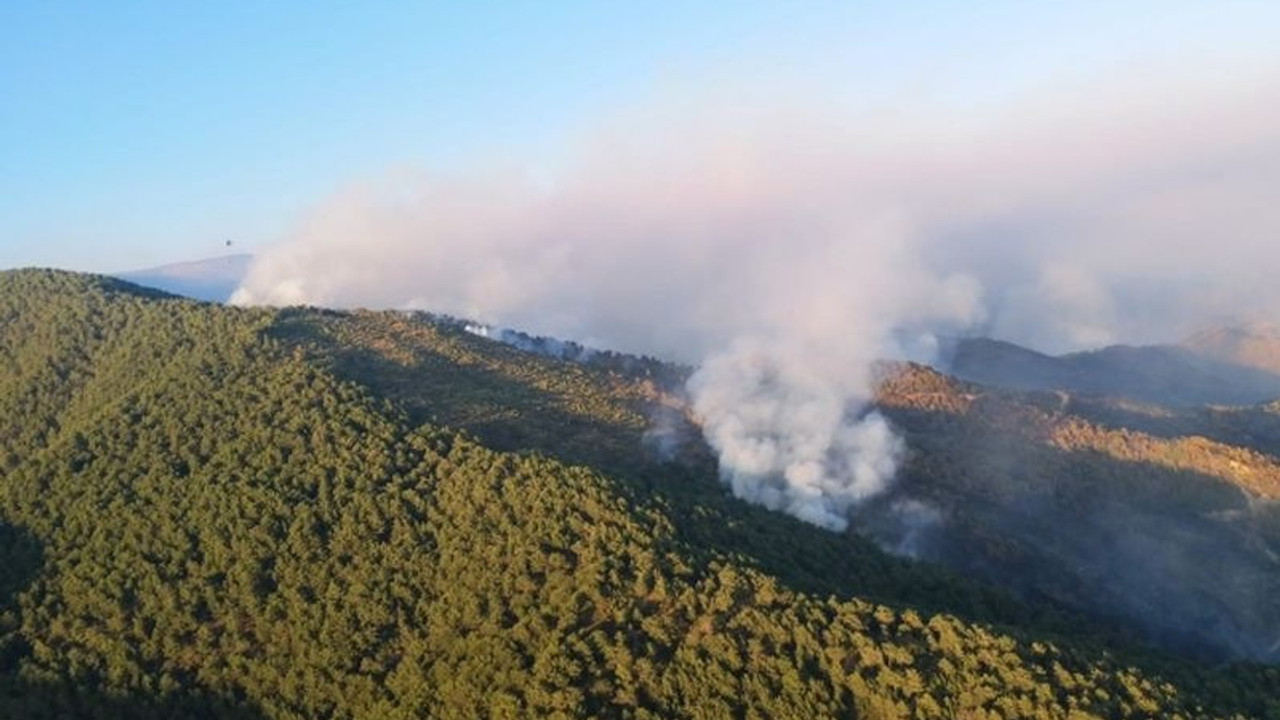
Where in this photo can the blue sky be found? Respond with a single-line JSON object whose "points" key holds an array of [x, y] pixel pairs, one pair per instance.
{"points": [[136, 133]]}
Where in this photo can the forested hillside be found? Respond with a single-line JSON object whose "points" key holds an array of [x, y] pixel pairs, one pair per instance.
{"points": [[1164, 520], [218, 512]]}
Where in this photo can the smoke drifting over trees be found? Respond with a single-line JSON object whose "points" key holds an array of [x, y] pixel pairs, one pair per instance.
{"points": [[783, 252]]}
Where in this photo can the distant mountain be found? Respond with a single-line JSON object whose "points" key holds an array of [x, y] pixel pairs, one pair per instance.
{"points": [[212, 280], [1214, 368], [1254, 345]]}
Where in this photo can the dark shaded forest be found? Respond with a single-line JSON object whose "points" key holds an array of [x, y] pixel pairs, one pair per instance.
{"points": [[229, 513]]}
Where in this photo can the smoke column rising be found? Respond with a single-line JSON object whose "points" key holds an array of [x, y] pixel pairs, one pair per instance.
{"points": [[788, 433], [784, 251]]}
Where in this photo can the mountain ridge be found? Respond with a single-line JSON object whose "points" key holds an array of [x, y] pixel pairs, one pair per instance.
{"points": [[1255, 344], [1163, 374]]}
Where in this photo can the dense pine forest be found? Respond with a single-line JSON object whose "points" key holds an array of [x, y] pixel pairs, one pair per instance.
{"points": [[215, 512]]}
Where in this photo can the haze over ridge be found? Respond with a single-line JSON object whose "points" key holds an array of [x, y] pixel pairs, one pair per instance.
{"points": [[784, 247]]}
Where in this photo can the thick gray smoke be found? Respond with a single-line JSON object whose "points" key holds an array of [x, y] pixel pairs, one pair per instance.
{"points": [[784, 252]]}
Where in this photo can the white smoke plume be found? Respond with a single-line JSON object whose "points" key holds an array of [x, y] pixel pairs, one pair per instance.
{"points": [[784, 252], [787, 429]]}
